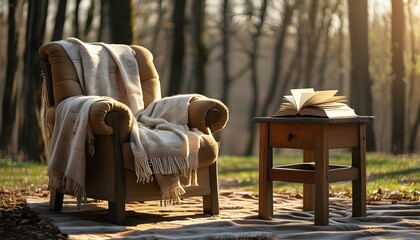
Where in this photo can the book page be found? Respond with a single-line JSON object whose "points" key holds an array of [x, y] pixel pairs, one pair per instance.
{"points": [[291, 100], [286, 112], [301, 95], [340, 113], [287, 106], [329, 112], [339, 99], [321, 97], [307, 101], [331, 105]]}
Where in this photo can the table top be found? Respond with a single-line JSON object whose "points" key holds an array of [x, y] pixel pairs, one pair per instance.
{"points": [[298, 119]]}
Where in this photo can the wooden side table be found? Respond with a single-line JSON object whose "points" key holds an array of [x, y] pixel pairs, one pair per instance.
{"points": [[315, 136]]}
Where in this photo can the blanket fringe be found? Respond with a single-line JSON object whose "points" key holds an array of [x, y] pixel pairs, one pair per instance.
{"points": [[166, 166], [191, 180], [143, 172], [171, 196], [58, 181], [170, 165]]}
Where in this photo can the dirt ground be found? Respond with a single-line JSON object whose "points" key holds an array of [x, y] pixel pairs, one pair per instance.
{"points": [[18, 221]]}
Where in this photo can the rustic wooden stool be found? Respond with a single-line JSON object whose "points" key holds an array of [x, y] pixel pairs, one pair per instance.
{"points": [[315, 136]]}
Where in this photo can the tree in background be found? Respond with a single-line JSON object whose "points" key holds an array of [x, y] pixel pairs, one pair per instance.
{"points": [[60, 18], [178, 47], [76, 19], [313, 26], [328, 12], [156, 31], [226, 12], [121, 24], [199, 47], [293, 75], [398, 77], [360, 84], [413, 76], [340, 46], [116, 25], [258, 23], [9, 97], [29, 122], [285, 21], [89, 19]]}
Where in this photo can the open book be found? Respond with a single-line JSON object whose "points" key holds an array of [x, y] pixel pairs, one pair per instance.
{"points": [[307, 101]]}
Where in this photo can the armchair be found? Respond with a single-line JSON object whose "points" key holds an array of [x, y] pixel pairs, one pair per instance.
{"points": [[110, 172]]}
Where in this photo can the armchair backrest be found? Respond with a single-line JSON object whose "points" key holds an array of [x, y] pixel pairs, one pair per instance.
{"points": [[62, 81]]}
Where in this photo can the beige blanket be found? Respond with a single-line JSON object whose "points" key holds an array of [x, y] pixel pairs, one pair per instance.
{"points": [[238, 219], [67, 156], [98, 63], [162, 144]]}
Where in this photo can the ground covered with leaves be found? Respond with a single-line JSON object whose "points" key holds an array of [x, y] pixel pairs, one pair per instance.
{"points": [[18, 221]]}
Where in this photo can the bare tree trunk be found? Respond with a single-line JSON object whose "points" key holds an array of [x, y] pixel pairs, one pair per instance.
{"points": [[312, 41], [226, 13], [199, 50], [324, 56], [103, 30], [76, 19], [121, 21], [9, 96], [89, 19], [294, 68], [60, 18], [398, 73], [412, 81], [278, 56], [360, 87], [178, 48], [340, 47], [254, 76], [299, 47], [414, 131], [30, 140], [156, 30]]}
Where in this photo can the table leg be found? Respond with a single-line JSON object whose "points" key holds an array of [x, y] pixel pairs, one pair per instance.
{"points": [[359, 185], [321, 176], [265, 197], [308, 189]]}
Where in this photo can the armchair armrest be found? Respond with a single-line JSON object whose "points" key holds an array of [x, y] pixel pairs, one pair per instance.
{"points": [[99, 111], [206, 113]]}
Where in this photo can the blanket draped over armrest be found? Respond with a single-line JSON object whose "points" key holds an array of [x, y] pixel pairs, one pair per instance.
{"points": [[163, 146], [67, 156]]}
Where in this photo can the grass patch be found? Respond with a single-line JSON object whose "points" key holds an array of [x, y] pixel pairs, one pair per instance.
{"points": [[22, 175]]}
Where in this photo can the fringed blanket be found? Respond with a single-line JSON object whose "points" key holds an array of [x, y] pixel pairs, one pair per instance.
{"points": [[162, 144], [71, 135]]}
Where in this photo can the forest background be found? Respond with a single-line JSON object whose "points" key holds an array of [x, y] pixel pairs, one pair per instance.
{"points": [[247, 53]]}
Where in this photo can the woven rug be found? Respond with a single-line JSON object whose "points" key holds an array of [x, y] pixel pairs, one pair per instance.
{"points": [[238, 219]]}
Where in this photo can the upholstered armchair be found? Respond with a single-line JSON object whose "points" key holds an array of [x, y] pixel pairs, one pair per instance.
{"points": [[110, 171]]}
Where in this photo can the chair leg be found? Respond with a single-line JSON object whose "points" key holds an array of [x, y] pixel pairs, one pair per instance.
{"points": [[117, 209], [117, 212], [56, 200], [211, 201]]}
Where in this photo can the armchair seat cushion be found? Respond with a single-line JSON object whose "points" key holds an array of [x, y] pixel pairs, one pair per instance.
{"points": [[207, 153]]}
